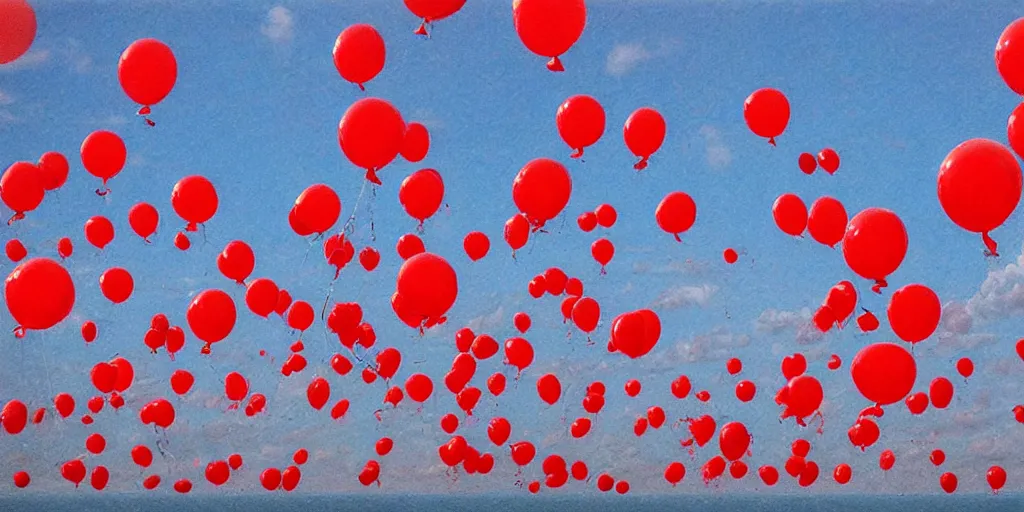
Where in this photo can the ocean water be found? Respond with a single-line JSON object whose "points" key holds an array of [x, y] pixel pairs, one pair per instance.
{"points": [[510, 503]]}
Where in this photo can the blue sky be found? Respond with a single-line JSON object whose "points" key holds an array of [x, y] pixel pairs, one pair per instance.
{"points": [[892, 86]]}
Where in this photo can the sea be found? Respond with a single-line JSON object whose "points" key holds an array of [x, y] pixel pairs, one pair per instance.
{"points": [[511, 503]]}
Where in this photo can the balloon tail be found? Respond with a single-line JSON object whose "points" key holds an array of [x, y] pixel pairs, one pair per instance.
{"points": [[555, 65], [641, 165], [879, 284], [103, 191], [19, 332], [990, 245], [361, 88], [577, 153], [771, 140], [677, 237], [144, 111], [422, 30], [15, 218], [150, 122], [371, 176], [191, 227], [603, 271]]}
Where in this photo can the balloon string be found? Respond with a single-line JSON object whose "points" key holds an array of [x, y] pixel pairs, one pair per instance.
{"points": [[641, 165], [677, 237], [771, 140], [361, 88], [879, 284], [102, 191], [16, 217], [990, 245]]}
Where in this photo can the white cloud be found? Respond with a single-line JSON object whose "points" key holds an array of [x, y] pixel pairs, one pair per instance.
{"points": [[5, 99], [955, 318], [774, 321], [1001, 295], [685, 296], [719, 344], [78, 60], [31, 60], [719, 155], [280, 25], [624, 57]]}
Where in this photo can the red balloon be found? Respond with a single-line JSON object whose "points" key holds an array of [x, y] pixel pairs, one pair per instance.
{"points": [[421, 194], [766, 112], [21, 189], [518, 353], [99, 231], [914, 312], [369, 258], [236, 261], [15, 250], [315, 210], [884, 372], [261, 296], [517, 232], [644, 133], [432, 10], [53, 170], [541, 190], [39, 294], [790, 214], [828, 159], [586, 312], [827, 221], [940, 391], [211, 316], [300, 315], [807, 163], [636, 333], [1014, 130], [549, 27], [996, 477], [359, 54], [734, 440], [580, 121], [426, 288], [676, 213], [370, 134], [409, 245], [549, 388], [1010, 56], [874, 245], [103, 155], [147, 71], [195, 200], [318, 392], [419, 387], [801, 396], [476, 245], [416, 142], [117, 285], [18, 26], [602, 250], [73, 471], [965, 367], [13, 417], [980, 186], [143, 218]]}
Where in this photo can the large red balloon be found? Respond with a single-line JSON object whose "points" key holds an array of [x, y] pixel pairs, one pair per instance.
{"points": [[236, 261], [541, 190], [18, 29], [884, 372], [211, 316], [914, 312], [432, 10], [644, 132], [549, 27], [99, 231], [370, 134], [826, 221], [117, 285], [1010, 56], [425, 289], [315, 210], [980, 186], [195, 200], [580, 121], [103, 155], [359, 54], [53, 169], [39, 294], [636, 333], [790, 214], [766, 112], [21, 189], [676, 213], [421, 194], [147, 72], [874, 245]]}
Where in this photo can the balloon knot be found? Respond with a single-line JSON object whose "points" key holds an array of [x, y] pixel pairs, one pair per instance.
{"points": [[361, 87], [102, 191], [371, 176], [603, 271], [147, 240], [879, 284], [16, 217], [555, 65], [990, 245], [422, 30], [150, 122], [191, 227], [144, 111], [577, 153], [19, 332], [641, 165], [677, 237], [771, 140]]}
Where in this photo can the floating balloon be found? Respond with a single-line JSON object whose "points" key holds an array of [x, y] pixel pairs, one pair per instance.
{"points": [[18, 26], [416, 142], [39, 294], [790, 214], [21, 189], [766, 112], [549, 27], [1014, 130], [359, 54], [541, 190], [644, 133], [914, 312], [53, 170], [979, 186], [826, 221], [117, 285], [426, 287], [676, 213], [884, 372], [636, 333], [874, 245], [371, 133], [1009, 57], [315, 210], [580, 121], [828, 159], [147, 72], [103, 155], [194, 200], [421, 194], [432, 10], [211, 316]]}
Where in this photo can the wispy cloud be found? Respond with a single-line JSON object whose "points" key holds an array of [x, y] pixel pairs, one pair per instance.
{"points": [[1001, 295], [77, 59], [32, 59], [684, 296], [717, 344], [427, 118], [625, 57], [775, 321], [719, 156], [280, 25]]}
